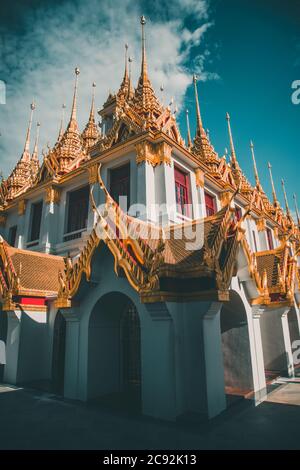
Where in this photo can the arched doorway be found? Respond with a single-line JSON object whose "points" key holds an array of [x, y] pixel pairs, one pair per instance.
{"points": [[3, 336], [236, 349], [58, 354], [114, 353]]}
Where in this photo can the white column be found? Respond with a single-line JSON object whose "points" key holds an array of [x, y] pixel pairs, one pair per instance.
{"points": [[287, 343], [158, 371], [12, 347], [71, 353], [144, 207], [49, 227], [257, 357], [215, 386]]}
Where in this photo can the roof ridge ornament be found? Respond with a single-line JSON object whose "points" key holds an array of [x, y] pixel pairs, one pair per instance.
{"points": [[275, 200], [285, 199], [257, 181]]}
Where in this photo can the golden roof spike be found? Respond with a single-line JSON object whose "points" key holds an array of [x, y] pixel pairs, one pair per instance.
{"points": [[130, 89], [27, 141], [126, 60], [61, 129], [285, 199], [188, 129], [275, 200], [254, 165], [35, 150], [74, 105], [233, 154], [144, 73], [296, 209], [92, 112], [199, 120]]}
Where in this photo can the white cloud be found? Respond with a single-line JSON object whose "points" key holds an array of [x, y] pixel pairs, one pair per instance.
{"points": [[91, 34]]}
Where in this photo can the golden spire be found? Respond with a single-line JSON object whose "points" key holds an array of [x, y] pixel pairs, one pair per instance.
{"points": [[258, 185], [130, 88], [144, 71], [285, 199], [126, 66], [61, 129], [296, 209], [123, 92], [200, 129], [35, 150], [189, 140], [91, 133], [233, 154], [73, 121], [26, 152], [275, 200]]}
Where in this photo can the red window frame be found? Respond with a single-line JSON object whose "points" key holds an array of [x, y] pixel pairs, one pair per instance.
{"points": [[270, 239], [182, 192], [210, 204]]}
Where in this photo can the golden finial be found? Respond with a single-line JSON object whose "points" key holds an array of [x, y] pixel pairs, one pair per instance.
{"points": [[254, 165], [126, 60], [27, 141], [296, 209], [275, 200], [207, 133], [92, 112], [233, 154], [199, 120], [188, 129], [130, 90], [225, 153], [285, 199]]}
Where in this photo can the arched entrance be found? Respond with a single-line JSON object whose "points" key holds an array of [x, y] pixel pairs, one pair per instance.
{"points": [[58, 354], [114, 353], [236, 348], [3, 336]]}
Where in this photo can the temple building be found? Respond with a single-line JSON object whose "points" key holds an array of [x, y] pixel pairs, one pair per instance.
{"points": [[142, 266]]}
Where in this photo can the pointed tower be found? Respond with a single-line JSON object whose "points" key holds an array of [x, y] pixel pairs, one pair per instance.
{"points": [[288, 213], [144, 101], [239, 178], [123, 92], [257, 181], [35, 165], [189, 140], [69, 150], [201, 147], [91, 133], [296, 209], [275, 200], [20, 178]]}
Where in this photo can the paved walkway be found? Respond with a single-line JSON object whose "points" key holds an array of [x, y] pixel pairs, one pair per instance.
{"points": [[35, 420]]}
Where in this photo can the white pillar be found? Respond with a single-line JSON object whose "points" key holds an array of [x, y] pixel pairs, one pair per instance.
{"points": [[158, 371], [12, 347], [257, 357], [71, 376], [287, 343], [215, 386]]}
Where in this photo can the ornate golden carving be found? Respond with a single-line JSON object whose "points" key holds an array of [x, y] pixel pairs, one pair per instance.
{"points": [[261, 224], [53, 194], [22, 206], [225, 197], [199, 178], [155, 154], [93, 173]]}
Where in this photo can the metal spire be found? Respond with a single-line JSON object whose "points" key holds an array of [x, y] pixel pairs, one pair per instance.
{"points": [[188, 129], [92, 112], [144, 72], [199, 120], [296, 209], [275, 200], [258, 185], [285, 199], [61, 129], [26, 152], [35, 150], [233, 154], [126, 63], [74, 105]]}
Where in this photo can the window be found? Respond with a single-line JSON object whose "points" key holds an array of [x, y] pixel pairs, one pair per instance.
{"points": [[12, 234], [182, 190], [120, 183], [210, 204], [78, 207], [238, 213], [254, 240], [270, 239], [36, 218]]}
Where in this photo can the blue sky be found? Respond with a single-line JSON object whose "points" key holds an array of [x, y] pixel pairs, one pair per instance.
{"points": [[247, 54]]}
